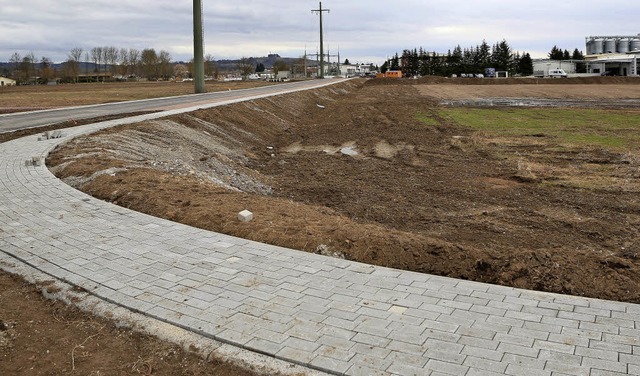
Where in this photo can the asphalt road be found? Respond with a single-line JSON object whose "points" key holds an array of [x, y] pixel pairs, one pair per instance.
{"points": [[23, 120]]}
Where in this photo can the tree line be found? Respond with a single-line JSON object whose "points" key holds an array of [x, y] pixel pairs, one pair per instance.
{"points": [[474, 60], [106, 62]]}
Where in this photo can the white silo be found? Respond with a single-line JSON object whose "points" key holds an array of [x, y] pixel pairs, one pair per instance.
{"points": [[590, 46], [598, 46], [634, 44], [623, 45], [609, 46]]}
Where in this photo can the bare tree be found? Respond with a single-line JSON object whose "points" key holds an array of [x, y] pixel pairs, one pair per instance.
{"points": [[74, 62], [69, 71], [280, 66], [245, 66], [149, 63], [164, 65], [299, 68], [15, 61], [47, 72], [111, 58], [134, 61], [76, 53], [123, 56], [27, 68], [211, 69], [105, 57], [96, 56]]}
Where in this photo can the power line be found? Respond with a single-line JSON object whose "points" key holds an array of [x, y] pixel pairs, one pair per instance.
{"points": [[319, 11]]}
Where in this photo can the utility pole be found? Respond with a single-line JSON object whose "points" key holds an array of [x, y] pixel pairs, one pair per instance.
{"points": [[319, 11], [198, 48]]}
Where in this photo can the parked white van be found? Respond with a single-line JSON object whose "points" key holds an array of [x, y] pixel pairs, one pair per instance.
{"points": [[557, 73]]}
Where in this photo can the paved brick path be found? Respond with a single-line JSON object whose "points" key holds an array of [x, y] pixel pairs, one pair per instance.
{"points": [[332, 315]]}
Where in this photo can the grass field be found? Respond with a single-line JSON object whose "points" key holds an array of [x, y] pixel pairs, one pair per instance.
{"points": [[613, 129]]}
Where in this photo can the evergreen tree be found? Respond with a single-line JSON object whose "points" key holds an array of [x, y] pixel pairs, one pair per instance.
{"points": [[483, 56], [502, 57], [556, 53], [580, 67], [384, 67], [577, 55], [455, 60], [525, 65], [395, 63]]}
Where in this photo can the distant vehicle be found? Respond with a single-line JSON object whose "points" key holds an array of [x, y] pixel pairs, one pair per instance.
{"points": [[390, 74], [557, 73], [553, 73], [479, 75]]}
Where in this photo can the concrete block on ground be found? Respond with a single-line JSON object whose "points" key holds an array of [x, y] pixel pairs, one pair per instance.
{"points": [[245, 216]]}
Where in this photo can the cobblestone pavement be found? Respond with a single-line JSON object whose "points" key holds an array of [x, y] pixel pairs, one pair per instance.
{"points": [[328, 314]]}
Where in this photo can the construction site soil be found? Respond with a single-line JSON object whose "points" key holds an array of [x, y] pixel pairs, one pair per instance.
{"points": [[354, 171], [359, 177]]}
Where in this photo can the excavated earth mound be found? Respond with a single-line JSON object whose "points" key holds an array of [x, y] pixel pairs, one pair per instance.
{"points": [[355, 171]]}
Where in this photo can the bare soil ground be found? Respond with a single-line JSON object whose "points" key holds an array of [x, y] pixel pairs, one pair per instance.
{"points": [[363, 178]]}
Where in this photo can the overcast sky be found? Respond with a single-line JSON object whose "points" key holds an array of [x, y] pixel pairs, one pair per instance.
{"points": [[362, 30]]}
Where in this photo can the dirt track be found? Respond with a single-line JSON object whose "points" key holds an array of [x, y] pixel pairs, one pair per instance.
{"points": [[360, 177]]}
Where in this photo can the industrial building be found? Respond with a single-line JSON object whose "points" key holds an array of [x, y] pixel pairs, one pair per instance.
{"points": [[614, 55]]}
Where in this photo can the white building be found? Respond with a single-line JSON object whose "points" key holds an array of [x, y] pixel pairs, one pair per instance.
{"points": [[615, 55], [541, 67], [355, 70], [7, 81]]}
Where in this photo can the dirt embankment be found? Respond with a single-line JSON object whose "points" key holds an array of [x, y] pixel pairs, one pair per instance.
{"points": [[351, 171]]}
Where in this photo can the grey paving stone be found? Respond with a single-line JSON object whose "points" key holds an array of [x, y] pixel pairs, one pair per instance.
{"points": [[328, 364], [362, 370], [447, 356], [335, 353], [516, 370], [604, 365], [485, 364], [447, 368], [405, 369], [368, 339]]}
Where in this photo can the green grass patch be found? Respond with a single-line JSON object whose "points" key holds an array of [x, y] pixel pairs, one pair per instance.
{"points": [[426, 119], [618, 129]]}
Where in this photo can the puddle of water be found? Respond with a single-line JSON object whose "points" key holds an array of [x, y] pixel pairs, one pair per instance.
{"points": [[539, 102], [349, 150]]}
